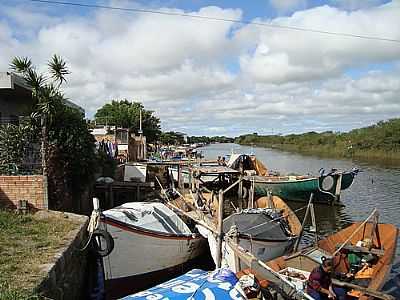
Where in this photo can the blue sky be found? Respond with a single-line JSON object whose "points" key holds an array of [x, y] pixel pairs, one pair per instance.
{"points": [[212, 77]]}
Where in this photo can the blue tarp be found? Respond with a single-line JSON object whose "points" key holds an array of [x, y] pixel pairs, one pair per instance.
{"points": [[196, 284]]}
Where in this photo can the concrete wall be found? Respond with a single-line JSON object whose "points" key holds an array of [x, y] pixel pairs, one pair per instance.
{"points": [[29, 188], [66, 277]]}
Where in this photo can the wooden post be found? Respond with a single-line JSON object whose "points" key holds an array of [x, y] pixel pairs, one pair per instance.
{"points": [[180, 185], [338, 189], [314, 224], [237, 258], [219, 228], [240, 192]]}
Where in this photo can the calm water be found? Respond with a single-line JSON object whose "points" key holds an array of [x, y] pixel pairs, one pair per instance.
{"points": [[376, 186]]}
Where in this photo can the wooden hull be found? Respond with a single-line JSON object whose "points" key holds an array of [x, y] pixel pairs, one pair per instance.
{"points": [[388, 234], [137, 252], [305, 261]]}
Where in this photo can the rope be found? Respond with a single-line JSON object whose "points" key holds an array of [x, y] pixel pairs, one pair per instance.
{"points": [[355, 231], [93, 224]]}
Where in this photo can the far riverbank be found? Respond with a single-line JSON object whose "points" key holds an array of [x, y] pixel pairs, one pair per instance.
{"points": [[376, 143], [386, 158]]}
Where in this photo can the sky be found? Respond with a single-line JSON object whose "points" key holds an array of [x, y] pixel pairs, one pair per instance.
{"points": [[212, 77]]}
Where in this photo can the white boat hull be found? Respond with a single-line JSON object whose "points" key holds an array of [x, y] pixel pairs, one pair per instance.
{"points": [[136, 253]]}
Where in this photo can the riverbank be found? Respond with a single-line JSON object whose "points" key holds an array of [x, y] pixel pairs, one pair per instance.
{"points": [[28, 243], [378, 142], [380, 156]]}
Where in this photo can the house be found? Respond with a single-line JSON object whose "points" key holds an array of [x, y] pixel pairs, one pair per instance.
{"points": [[16, 98]]}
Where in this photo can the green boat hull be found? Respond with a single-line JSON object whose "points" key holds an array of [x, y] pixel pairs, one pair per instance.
{"points": [[301, 189], [287, 189]]}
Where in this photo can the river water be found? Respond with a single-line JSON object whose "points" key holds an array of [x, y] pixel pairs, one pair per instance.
{"points": [[375, 186]]}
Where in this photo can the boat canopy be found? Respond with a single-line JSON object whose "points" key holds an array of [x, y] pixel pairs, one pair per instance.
{"points": [[261, 223], [196, 284], [250, 162], [149, 216]]}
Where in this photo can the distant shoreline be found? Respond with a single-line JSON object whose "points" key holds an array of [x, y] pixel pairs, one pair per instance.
{"points": [[380, 156]]}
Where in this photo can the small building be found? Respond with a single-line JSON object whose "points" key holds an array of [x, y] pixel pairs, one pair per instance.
{"points": [[127, 146], [16, 98]]}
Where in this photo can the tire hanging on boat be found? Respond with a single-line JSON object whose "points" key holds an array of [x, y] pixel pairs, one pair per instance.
{"points": [[106, 238], [327, 183]]}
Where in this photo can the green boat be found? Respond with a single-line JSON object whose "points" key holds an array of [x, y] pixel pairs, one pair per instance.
{"points": [[326, 187]]}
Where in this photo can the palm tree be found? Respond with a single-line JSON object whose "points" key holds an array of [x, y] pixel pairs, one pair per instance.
{"points": [[46, 93]]}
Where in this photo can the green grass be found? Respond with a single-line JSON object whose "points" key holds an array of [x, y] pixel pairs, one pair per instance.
{"points": [[26, 243]]}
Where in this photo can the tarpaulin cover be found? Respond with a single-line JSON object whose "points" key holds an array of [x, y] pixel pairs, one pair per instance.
{"points": [[196, 284]]}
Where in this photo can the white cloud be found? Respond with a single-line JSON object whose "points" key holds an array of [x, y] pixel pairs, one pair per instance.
{"points": [[212, 77], [355, 4], [288, 5], [285, 55]]}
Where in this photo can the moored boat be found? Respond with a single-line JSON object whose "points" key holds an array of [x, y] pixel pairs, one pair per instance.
{"points": [[362, 257], [196, 284], [325, 187], [150, 240], [267, 231]]}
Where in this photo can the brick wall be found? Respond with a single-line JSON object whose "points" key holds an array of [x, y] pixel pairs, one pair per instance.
{"points": [[15, 188]]}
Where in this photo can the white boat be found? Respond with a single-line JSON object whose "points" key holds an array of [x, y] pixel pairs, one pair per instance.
{"points": [[267, 232], [262, 231], [149, 241]]}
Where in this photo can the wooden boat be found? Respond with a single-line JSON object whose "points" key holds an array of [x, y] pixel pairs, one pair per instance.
{"points": [[326, 187], [365, 249], [150, 240], [267, 231]]}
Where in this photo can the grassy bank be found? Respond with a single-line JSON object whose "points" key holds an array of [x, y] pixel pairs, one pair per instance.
{"points": [[379, 142], [380, 156], [27, 243]]}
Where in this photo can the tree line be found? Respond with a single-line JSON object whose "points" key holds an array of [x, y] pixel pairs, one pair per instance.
{"points": [[380, 140]]}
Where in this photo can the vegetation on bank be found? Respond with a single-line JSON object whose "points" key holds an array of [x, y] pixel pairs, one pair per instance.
{"points": [[379, 141], [210, 139], [26, 244]]}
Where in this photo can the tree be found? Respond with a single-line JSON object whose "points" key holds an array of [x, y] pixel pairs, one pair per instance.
{"points": [[125, 114], [68, 150], [46, 93], [171, 138]]}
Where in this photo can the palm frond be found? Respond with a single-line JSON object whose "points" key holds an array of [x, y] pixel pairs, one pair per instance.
{"points": [[58, 69], [34, 80], [21, 64]]}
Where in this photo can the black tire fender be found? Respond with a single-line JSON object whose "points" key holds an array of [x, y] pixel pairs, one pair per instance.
{"points": [[105, 238]]}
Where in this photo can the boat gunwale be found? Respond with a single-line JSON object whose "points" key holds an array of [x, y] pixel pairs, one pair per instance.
{"points": [[153, 233], [277, 181]]}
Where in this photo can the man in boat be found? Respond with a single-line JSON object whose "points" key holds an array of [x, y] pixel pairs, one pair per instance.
{"points": [[319, 285]]}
